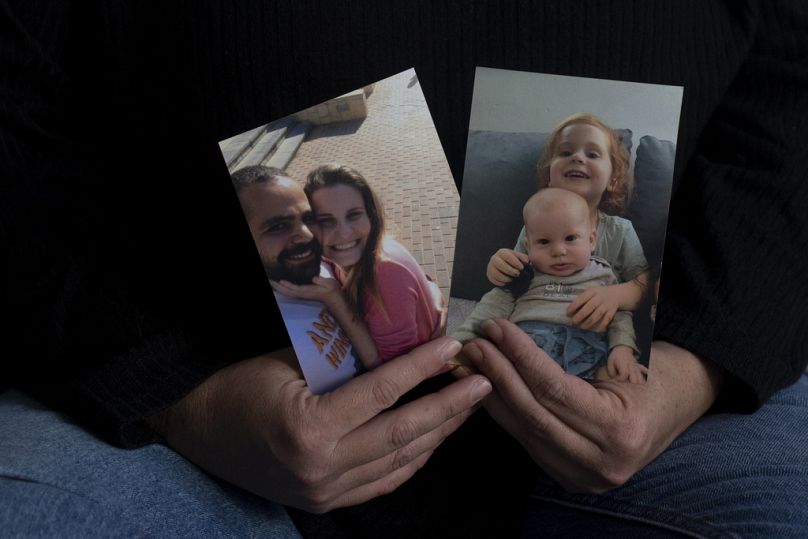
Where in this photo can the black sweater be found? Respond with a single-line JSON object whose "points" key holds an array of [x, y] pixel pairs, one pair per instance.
{"points": [[128, 273]]}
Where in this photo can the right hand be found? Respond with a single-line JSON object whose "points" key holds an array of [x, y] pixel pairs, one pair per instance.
{"points": [[257, 425], [504, 265], [326, 290]]}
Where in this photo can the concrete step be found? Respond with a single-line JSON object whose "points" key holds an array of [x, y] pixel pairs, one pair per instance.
{"points": [[234, 148], [263, 147], [286, 151]]}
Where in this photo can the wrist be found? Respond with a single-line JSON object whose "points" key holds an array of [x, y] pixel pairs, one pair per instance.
{"points": [[684, 370]]}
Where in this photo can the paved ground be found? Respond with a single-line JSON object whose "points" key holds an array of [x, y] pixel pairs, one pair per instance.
{"points": [[398, 151]]}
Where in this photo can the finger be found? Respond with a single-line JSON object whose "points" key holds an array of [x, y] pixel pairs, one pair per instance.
{"points": [[546, 435], [390, 432], [595, 320], [364, 397], [583, 313], [643, 373], [623, 373], [382, 486], [510, 262], [284, 287], [639, 373], [605, 321], [515, 384], [495, 279], [611, 369], [275, 285], [504, 376], [579, 301], [504, 268], [400, 457], [574, 401], [325, 282]]}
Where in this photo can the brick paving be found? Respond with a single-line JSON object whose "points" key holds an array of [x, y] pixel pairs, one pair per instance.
{"points": [[398, 151]]}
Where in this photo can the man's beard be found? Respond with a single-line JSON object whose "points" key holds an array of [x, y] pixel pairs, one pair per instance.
{"points": [[286, 270]]}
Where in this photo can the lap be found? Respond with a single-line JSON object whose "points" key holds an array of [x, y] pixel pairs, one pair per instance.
{"points": [[57, 478], [727, 475]]}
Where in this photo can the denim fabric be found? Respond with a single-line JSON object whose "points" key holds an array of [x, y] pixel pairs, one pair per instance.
{"points": [[726, 476], [56, 479], [578, 352]]}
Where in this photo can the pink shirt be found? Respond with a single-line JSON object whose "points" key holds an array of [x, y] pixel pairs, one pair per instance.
{"points": [[411, 304]]}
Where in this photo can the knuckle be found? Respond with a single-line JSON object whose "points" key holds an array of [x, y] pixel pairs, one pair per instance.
{"points": [[611, 478], [385, 393], [311, 480], [626, 439], [318, 503], [538, 424], [303, 442], [553, 394], [401, 458], [402, 432]]}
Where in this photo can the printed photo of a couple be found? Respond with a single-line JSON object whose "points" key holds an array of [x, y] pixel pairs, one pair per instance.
{"points": [[353, 211]]}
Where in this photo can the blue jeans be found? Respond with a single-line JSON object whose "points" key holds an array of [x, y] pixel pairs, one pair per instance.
{"points": [[577, 351], [56, 479], [726, 476]]}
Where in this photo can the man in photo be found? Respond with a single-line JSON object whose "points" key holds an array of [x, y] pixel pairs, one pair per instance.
{"points": [[327, 336]]}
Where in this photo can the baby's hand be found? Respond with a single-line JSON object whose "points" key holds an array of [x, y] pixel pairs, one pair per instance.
{"points": [[504, 266], [595, 307], [326, 290], [623, 366]]}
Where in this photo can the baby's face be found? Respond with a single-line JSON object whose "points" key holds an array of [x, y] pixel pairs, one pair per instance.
{"points": [[559, 241]]}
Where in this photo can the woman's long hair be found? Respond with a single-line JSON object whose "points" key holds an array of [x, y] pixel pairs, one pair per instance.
{"points": [[362, 276]]}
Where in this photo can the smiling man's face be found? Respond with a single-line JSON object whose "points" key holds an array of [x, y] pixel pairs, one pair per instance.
{"points": [[280, 218]]}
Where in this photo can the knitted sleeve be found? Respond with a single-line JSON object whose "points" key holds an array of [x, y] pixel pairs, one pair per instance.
{"points": [[733, 289], [127, 278]]}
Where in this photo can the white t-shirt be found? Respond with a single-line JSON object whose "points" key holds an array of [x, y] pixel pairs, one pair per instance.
{"points": [[321, 346]]}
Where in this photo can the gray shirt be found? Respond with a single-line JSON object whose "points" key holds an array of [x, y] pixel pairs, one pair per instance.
{"points": [[546, 300], [616, 242]]}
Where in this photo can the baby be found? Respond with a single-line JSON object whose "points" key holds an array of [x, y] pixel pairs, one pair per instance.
{"points": [[559, 242]]}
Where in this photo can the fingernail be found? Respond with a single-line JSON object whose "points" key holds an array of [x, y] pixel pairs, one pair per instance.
{"points": [[450, 349], [480, 390]]}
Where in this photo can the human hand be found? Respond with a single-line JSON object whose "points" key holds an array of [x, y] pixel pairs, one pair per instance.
{"points": [[590, 437], [326, 290], [504, 265], [594, 308], [624, 367], [257, 425]]}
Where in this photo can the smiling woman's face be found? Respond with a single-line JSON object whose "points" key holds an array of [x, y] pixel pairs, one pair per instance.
{"points": [[343, 225]]}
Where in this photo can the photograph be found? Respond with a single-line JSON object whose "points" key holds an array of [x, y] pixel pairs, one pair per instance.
{"points": [[565, 199], [353, 210]]}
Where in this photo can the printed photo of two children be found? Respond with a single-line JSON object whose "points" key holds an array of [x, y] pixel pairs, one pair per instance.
{"points": [[566, 189]]}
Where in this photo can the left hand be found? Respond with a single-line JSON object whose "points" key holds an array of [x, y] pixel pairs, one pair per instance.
{"points": [[590, 437], [323, 289], [595, 307]]}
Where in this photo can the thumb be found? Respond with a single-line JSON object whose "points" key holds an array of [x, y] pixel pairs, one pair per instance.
{"points": [[532, 363]]}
